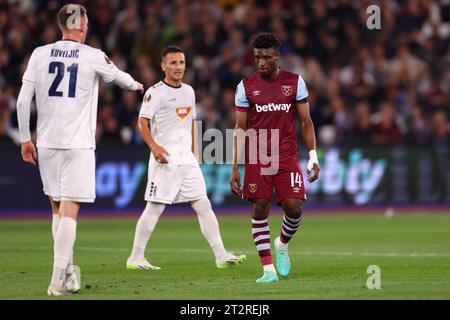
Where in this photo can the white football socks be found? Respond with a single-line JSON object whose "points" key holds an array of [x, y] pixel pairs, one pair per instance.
{"points": [[63, 248], [210, 227], [269, 267], [144, 228], [55, 223]]}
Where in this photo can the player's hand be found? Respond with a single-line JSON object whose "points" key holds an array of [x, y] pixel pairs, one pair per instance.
{"points": [[235, 182], [160, 153], [29, 153], [315, 168], [140, 87], [313, 164]]}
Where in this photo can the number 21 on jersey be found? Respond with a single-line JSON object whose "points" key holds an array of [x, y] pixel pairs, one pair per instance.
{"points": [[295, 179], [59, 68]]}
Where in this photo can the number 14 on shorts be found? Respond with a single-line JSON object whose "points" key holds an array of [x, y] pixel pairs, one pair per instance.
{"points": [[296, 180]]}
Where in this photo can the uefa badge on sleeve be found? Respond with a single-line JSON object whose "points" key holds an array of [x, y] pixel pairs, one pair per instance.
{"points": [[252, 187], [286, 90], [147, 97]]}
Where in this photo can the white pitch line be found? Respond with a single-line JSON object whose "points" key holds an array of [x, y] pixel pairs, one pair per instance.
{"points": [[197, 250]]}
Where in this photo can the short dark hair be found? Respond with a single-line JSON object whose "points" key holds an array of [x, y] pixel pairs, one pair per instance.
{"points": [[63, 15], [171, 49], [266, 40]]}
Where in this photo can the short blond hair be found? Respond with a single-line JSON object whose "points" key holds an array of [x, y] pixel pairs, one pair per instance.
{"points": [[64, 14]]}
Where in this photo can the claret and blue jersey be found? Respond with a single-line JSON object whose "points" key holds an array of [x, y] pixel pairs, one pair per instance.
{"points": [[271, 105]]}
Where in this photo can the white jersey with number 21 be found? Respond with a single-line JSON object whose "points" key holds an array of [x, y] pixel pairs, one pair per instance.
{"points": [[65, 76]]}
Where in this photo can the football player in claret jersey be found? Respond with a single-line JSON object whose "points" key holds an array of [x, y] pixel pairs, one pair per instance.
{"points": [[268, 100], [64, 78], [166, 124]]}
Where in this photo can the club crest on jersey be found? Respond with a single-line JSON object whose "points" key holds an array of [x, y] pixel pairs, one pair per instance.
{"points": [[183, 112], [252, 187], [286, 90]]}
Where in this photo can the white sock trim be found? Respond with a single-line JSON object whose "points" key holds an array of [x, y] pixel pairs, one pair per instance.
{"points": [[282, 245], [260, 221], [269, 267]]}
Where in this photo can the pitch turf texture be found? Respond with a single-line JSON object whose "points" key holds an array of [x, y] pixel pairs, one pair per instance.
{"points": [[330, 256]]}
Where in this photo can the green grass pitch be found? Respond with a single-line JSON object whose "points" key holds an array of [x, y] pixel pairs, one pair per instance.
{"points": [[330, 256]]}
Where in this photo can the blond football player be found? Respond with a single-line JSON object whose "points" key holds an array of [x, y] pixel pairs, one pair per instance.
{"points": [[63, 76]]}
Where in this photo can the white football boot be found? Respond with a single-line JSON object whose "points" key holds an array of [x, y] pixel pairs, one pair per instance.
{"points": [[230, 260], [141, 265], [54, 291]]}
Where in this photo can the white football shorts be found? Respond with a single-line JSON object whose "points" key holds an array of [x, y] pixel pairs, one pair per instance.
{"points": [[68, 174], [169, 183]]}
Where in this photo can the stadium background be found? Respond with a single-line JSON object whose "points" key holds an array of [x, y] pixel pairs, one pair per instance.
{"points": [[379, 98]]}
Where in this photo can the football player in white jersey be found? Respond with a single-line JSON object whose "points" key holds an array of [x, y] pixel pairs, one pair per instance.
{"points": [[63, 76], [167, 125]]}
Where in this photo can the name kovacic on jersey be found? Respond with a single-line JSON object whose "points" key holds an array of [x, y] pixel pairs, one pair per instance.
{"points": [[273, 107]]}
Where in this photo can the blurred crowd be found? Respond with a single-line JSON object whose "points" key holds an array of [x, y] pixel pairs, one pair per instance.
{"points": [[366, 87]]}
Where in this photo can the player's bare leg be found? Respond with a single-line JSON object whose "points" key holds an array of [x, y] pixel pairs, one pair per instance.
{"points": [[144, 229], [63, 247], [291, 223], [210, 230], [261, 237]]}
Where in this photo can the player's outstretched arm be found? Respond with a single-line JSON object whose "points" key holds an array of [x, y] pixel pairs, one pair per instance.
{"points": [[125, 81], [238, 150], [309, 139], [158, 152], [104, 67], [26, 94]]}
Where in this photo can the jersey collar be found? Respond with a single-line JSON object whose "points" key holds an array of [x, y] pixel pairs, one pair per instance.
{"points": [[69, 40], [271, 80], [175, 87]]}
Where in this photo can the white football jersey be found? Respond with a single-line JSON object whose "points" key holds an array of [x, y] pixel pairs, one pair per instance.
{"points": [[171, 110], [65, 76]]}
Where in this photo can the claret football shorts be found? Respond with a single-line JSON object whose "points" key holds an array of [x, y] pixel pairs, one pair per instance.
{"points": [[288, 182], [68, 174], [168, 183]]}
